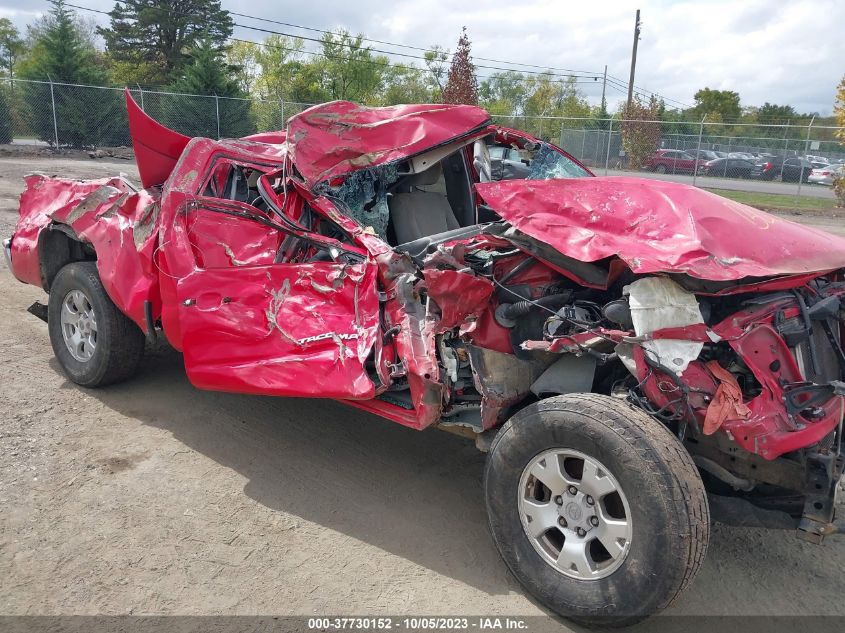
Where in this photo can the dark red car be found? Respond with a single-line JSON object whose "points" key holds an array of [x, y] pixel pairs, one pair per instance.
{"points": [[672, 161], [617, 345]]}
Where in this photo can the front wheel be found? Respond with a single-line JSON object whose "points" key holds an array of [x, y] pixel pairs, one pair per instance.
{"points": [[95, 343], [660, 169], [596, 508]]}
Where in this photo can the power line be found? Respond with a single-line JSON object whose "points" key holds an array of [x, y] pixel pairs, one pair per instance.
{"points": [[409, 46], [594, 77]]}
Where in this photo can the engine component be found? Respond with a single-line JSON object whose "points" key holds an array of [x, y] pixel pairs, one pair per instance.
{"points": [[507, 313], [619, 312]]}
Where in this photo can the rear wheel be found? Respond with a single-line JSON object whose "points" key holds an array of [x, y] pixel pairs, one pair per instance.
{"points": [[596, 508], [660, 169], [94, 342]]}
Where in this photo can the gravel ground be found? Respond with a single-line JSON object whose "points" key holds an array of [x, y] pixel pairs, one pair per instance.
{"points": [[152, 497]]}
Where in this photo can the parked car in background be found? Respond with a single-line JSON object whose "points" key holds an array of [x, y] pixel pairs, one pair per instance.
{"points": [[789, 169], [817, 159], [826, 175], [742, 155], [672, 161], [704, 154], [517, 156], [728, 168]]}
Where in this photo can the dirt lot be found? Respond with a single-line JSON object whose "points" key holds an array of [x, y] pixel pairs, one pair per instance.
{"points": [[152, 497]]}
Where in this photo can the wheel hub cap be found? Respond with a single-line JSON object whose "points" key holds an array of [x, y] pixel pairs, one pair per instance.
{"points": [[79, 325], [575, 514]]}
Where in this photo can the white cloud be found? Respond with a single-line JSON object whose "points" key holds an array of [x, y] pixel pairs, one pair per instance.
{"points": [[781, 52]]}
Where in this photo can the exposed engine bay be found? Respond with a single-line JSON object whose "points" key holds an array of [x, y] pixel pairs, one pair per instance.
{"points": [[750, 381]]}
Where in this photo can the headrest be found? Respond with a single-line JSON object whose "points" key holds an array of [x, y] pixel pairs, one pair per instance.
{"points": [[428, 177]]}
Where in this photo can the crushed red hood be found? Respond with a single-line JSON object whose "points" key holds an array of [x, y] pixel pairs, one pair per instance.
{"points": [[657, 226], [333, 139]]}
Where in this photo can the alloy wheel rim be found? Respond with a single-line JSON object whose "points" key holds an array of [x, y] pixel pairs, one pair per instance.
{"points": [[575, 514], [79, 325]]}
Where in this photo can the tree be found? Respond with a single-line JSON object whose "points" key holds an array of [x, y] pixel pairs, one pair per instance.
{"points": [[772, 114], [839, 113], [640, 130], [5, 117], [349, 69], [11, 46], [724, 102], [61, 54], [462, 86], [208, 74], [157, 36], [504, 92], [436, 64], [406, 85]]}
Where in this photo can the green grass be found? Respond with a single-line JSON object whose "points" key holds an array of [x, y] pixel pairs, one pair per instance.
{"points": [[778, 201]]}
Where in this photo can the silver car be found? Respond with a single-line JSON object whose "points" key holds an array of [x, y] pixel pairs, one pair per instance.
{"points": [[825, 175]]}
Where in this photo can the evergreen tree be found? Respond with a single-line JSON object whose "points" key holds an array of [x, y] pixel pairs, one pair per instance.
{"points": [[84, 116], [155, 37], [462, 86], [208, 74], [5, 117]]}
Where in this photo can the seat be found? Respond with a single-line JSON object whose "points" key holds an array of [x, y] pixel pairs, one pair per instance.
{"points": [[416, 214]]}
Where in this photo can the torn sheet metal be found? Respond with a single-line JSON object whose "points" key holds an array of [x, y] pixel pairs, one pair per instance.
{"points": [[302, 330], [656, 226], [119, 222], [460, 296], [502, 380], [657, 303], [333, 139], [157, 148]]}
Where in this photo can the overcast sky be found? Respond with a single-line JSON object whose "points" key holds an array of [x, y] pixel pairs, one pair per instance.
{"points": [[767, 50]]}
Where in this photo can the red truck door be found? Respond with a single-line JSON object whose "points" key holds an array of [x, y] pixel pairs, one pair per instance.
{"points": [[294, 317]]}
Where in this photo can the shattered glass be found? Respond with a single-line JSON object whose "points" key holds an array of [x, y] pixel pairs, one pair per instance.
{"points": [[548, 164], [364, 196]]}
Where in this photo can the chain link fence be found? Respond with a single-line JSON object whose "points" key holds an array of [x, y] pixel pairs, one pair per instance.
{"points": [[784, 158], [65, 115], [766, 158]]}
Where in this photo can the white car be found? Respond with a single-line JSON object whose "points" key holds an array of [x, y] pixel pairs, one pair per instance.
{"points": [[825, 175]]}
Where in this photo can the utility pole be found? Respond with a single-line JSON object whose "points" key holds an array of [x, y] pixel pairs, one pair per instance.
{"points": [[603, 89], [633, 61]]}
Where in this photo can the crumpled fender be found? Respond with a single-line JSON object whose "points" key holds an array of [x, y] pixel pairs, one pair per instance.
{"points": [[119, 222]]}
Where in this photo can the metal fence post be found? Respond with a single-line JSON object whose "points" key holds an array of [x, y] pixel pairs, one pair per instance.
{"points": [[698, 150], [217, 111], [55, 123], [806, 147], [609, 139], [141, 92], [283, 113], [583, 140], [785, 148]]}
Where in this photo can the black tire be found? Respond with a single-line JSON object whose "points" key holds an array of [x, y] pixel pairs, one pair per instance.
{"points": [[119, 343], [660, 169], [668, 504]]}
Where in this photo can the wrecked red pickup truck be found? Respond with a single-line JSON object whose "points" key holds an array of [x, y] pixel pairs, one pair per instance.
{"points": [[621, 347]]}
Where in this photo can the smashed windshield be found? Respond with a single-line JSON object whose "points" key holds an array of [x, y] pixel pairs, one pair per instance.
{"points": [[364, 195], [548, 164]]}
